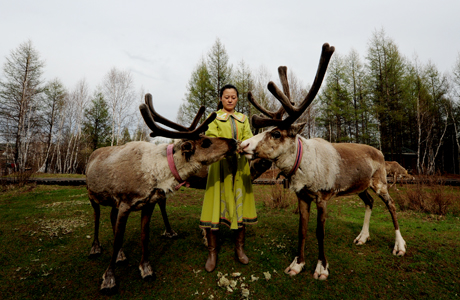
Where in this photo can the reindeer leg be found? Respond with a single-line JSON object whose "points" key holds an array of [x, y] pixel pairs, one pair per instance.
{"points": [[121, 257], [169, 232], [364, 236], [144, 265], [108, 279], [394, 181], [400, 245], [96, 249], [322, 267], [304, 215]]}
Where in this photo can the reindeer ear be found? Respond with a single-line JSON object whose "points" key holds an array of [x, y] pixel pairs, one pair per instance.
{"points": [[187, 147], [296, 128]]}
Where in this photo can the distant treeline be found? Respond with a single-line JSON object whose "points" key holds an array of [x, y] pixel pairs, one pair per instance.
{"points": [[406, 108]]}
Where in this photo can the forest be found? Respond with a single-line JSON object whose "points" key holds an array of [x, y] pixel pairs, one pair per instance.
{"points": [[406, 108]]}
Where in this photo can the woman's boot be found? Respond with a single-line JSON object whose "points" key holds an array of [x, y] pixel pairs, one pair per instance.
{"points": [[239, 243], [211, 236]]}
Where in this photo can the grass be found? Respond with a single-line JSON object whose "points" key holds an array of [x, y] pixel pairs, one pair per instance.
{"points": [[46, 234], [49, 175]]}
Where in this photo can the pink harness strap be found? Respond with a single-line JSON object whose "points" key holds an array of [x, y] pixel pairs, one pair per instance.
{"points": [[298, 157], [172, 167]]}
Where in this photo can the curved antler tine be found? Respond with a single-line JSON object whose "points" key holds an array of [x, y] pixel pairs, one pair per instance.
{"points": [[282, 72], [259, 107], [159, 118], [197, 118], [285, 102], [147, 116], [326, 54], [204, 126], [159, 131]]}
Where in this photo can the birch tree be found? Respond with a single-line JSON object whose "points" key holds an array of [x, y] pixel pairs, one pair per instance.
{"points": [[118, 91], [77, 101], [141, 133], [19, 95], [53, 102]]}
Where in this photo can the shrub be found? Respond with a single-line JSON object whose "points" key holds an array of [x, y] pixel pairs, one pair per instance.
{"points": [[279, 197], [429, 194]]}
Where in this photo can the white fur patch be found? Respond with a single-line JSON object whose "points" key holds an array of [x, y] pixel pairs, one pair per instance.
{"points": [[364, 236], [250, 145], [319, 167]]}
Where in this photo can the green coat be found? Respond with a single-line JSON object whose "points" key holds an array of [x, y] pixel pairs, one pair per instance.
{"points": [[229, 198]]}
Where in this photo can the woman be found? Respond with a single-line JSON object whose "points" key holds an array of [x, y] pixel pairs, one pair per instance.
{"points": [[228, 198]]}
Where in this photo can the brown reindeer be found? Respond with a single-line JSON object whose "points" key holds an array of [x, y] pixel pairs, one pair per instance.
{"points": [[318, 170], [395, 170], [138, 175]]}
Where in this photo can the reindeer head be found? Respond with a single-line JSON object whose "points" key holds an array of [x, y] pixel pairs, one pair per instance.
{"points": [[193, 144], [271, 143]]}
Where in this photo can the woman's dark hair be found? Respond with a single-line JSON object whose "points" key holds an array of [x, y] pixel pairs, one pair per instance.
{"points": [[226, 87], [221, 92]]}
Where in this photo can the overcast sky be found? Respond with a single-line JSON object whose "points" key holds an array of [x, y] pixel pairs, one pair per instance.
{"points": [[161, 42]]}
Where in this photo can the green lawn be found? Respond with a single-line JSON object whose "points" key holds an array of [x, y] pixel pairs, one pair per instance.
{"points": [[46, 234]]}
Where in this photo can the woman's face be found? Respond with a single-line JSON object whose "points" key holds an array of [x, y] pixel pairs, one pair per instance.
{"points": [[229, 99]]}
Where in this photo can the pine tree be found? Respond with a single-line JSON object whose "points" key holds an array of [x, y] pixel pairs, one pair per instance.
{"points": [[219, 70], [200, 92], [244, 82], [387, 70], [97, 122], [336, 108]]}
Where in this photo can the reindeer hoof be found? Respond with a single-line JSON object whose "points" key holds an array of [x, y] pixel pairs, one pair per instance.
{"points": [[319, 277], [321, 272], [108, 286], [121, 257], [171, 234], [361, 239], [294, 268], [398, 252], [400, 245], [96, 250], [146, 271]]}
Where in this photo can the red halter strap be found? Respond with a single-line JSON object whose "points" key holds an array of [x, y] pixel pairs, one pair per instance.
{"points": [[172, 167]]}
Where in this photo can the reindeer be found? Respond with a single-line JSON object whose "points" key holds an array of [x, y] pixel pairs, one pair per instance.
{"points": [[395, 170], [316, 169], [138, 175]]}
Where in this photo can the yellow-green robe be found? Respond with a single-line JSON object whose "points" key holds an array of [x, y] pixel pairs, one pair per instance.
{"points": [[229, 198]]}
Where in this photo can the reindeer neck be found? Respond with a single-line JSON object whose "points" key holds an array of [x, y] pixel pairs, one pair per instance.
{"points": [[288, 162], [185, 168]]}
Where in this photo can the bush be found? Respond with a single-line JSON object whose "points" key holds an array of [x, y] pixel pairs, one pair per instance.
{"points": [[430, 195], [279, 197]]}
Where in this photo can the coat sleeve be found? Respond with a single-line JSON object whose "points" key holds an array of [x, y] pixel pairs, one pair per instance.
{"points": [[247, 133], [212, 129]]}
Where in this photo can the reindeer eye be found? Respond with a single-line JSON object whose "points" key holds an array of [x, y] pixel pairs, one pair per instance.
{"points": [[276, 134], [206, 143]]}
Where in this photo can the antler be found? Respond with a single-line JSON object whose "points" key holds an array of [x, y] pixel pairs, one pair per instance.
{"points": [[151, 117], [284, 96]]}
